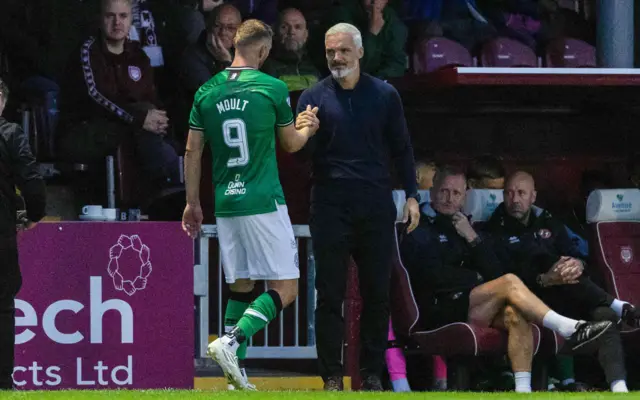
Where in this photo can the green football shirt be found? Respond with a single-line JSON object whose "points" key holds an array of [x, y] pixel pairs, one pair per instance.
{"points": [[238, 111]]}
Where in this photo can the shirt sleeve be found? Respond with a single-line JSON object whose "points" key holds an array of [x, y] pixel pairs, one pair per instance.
{"points": [[284, 115], [400, 143], [195, 119]]}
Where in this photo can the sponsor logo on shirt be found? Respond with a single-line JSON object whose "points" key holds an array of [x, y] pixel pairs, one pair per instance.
{"points": [[236, 187]]}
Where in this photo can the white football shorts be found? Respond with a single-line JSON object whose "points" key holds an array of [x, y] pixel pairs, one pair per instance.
{"points": [[258, 247]]}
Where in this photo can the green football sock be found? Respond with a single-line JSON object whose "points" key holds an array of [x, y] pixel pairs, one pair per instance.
{"points": [[232, 315], [262, 311], [564, 368]]}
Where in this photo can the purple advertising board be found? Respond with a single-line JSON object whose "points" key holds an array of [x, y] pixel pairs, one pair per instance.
{"points": [[105, 305]]}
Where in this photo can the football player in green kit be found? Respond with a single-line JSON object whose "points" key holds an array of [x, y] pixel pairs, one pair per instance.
{"points": [[238, 112]]}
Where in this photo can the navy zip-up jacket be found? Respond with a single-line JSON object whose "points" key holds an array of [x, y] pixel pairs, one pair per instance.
{"points": [[360, 131], [440, 261], [529, 250]]}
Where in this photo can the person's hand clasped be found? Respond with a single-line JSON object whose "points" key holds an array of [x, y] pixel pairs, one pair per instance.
{"points": [[308, 119], [156, 122], [570, 269]]}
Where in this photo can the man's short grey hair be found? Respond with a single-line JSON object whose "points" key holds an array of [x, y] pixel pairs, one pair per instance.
{"points": [[349, 29]]}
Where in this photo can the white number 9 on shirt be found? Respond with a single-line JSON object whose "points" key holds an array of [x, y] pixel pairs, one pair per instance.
{"points": [[239, 141]]}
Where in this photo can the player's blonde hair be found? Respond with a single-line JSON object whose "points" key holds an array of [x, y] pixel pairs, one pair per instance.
{"points": [[252, 31]]}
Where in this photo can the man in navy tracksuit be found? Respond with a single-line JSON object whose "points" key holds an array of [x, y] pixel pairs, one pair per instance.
{"points": [[362, 127], [535, 246]]}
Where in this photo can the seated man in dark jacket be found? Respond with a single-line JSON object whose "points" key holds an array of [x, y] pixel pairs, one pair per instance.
{"points": [[535, 247], [109, 95], [457, 278]]}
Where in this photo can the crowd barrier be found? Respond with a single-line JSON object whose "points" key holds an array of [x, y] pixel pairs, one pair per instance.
{"points": [[275, 346]]}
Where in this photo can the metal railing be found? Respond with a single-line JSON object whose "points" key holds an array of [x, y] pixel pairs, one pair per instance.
{"points": [[202, 273]]}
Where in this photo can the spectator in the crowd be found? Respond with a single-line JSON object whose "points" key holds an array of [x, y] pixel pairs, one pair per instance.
{"points": [[264, 10], [289, 60], [108, 95], [457, 277], [535, 247], [425, 170], [18, 168], [191, 21], [486, 172], [383, 36], [463, 22], [214, 50]]}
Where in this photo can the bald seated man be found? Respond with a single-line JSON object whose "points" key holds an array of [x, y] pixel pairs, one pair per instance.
{"points": [[535, 247], [289, 60]]}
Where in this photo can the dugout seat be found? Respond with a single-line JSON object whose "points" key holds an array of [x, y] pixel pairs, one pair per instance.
{"points": [[504, 53], [614, 217], [457, 342]]}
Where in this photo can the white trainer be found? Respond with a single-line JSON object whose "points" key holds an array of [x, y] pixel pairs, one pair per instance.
{"points": [[225, 356], [248, 386]]}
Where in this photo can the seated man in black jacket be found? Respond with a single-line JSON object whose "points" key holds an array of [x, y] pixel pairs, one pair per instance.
{"points": [[534, 246], [457, 277]]}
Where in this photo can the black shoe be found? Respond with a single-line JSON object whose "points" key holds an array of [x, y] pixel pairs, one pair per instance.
{"points": [[587, 332], [371, 383], [573, 387], [631, 316], [333, 384]]}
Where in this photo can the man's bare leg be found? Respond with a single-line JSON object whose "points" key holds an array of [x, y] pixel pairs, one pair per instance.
{"points": [[520, 345], [287, 289], [487, 300]]}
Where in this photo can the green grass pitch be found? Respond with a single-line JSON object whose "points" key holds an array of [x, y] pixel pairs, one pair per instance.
{"points": [[185, 394]]}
